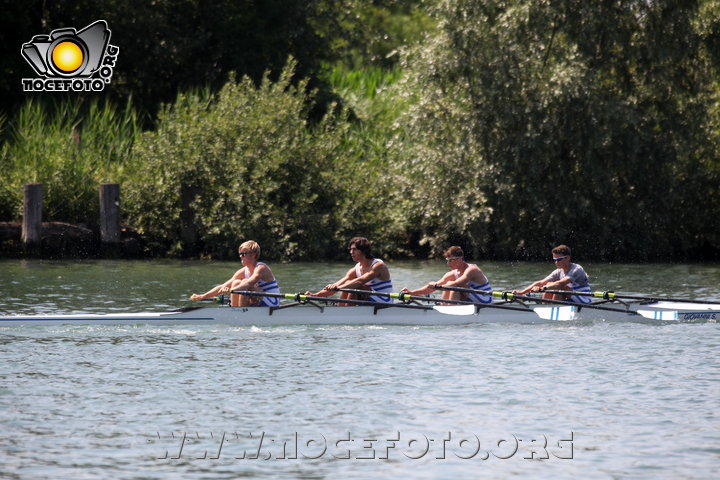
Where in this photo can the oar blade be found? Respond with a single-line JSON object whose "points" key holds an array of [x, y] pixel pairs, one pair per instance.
{"points": [[455, 309], [665, 315], [562, 313]]}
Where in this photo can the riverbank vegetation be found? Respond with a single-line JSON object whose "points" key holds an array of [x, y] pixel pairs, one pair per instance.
{"points": [[502, 126]]}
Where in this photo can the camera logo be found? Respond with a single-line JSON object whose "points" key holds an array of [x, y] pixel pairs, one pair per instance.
{"points": [[71, 60]]}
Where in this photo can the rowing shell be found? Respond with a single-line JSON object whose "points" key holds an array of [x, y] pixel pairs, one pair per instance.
{"points": [[386, 315]]}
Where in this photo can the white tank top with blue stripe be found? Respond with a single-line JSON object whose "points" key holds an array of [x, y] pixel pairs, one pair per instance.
{"points": [[268, 287], [477, 297], [377, 285]]}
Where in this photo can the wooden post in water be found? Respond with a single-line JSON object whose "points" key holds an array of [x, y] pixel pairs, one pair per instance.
{"points": [[188, 230], [110, 218], [32, 217]]}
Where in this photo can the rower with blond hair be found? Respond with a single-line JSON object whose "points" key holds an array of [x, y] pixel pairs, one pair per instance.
{"points": [[255, 276]]}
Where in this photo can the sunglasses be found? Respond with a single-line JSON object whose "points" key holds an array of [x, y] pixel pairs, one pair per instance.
{"points": [[242, 254], [448, 260], [557, 259]]}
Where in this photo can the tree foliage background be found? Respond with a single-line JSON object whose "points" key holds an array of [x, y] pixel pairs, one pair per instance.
{"points": [[503, 126], [588, 123]]}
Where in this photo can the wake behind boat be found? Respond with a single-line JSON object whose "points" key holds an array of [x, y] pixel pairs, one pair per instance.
{"points": [[306, 310]]}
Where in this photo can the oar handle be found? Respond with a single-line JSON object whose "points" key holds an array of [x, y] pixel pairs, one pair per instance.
{"points": [[507, 296], [604, 295], [217, 299]]}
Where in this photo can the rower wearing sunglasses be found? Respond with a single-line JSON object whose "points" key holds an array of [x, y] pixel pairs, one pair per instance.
{"points": [[568, 276], [461, 274], [254, 276]]}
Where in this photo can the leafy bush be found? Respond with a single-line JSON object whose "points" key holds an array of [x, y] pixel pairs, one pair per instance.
{"points": [[244, 164]]}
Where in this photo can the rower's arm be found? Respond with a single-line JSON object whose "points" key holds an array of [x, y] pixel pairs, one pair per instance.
{"points": [[422, 290], [331, 288], [429, 287], [364, 278], [252, 280], [379, 270], [468, 275], [222, 288], [562, 283], [534, 285]]}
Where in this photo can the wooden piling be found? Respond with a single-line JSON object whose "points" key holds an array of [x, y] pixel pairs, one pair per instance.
{"points": [[110, 217], [188, 230], [32, 216]]}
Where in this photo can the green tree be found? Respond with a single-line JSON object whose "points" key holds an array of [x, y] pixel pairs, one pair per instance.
{"points": [[565, 121], [363, 34]]}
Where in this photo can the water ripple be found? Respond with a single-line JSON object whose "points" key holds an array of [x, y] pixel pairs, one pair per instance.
{"points": [[110, 401]]}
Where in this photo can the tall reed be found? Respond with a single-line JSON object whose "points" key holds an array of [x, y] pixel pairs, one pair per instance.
{"points": [[70, 147]]}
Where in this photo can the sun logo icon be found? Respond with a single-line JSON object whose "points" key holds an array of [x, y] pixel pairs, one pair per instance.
{"points": [[67, 57]]}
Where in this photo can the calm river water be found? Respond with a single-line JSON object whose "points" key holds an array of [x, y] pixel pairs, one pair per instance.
{"points": [[568, 401]]}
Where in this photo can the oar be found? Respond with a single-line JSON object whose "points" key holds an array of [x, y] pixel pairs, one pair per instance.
{"points": [[458, 307], [652, 314], [464, 308], [301, 298], [554, 313], [403, 297], [618, 296], [465, 290], [509, 296]]}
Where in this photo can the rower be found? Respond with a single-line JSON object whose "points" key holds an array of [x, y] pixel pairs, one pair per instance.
{"points": [[369, 273], [568, 276], [254, 276], [461, 274]]}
